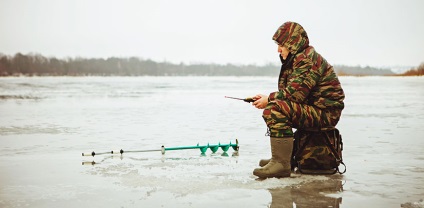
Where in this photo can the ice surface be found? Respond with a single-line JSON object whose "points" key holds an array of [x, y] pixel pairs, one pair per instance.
{"points": [[47, 122]]}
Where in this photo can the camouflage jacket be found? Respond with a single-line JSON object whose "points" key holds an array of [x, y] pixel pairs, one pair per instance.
{"points": [[308, 78]]}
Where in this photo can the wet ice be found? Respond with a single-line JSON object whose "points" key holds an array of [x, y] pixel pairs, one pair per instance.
{"points": [[41, 141]]}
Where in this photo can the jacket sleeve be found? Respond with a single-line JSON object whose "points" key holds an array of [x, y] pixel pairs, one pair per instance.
{"points": [[299, 84]]}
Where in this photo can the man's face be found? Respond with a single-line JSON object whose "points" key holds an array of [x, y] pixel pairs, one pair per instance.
{"points": [[283, 51]]}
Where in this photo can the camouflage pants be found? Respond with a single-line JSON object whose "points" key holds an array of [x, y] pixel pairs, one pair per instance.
{"points": [[282, 115]]}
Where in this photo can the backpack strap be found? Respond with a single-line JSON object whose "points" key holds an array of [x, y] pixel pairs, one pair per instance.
{"points": [[334, 152], [344, 171]]}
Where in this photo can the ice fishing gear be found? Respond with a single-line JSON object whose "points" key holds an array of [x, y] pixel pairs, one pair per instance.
{"points": [[249, 99], [163, 149], [318, 151]]}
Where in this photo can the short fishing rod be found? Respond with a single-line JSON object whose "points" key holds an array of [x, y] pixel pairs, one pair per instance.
{"points": [[203, 148], [248, 100]]}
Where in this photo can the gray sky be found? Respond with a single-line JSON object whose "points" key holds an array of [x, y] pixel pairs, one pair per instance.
{"points": [[356, 32]]}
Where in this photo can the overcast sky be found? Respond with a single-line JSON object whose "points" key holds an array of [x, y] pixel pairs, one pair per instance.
{"points": [[356, 32]]}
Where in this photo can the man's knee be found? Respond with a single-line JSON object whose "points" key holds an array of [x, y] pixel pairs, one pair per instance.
{"points": [[277, 118], [280, 108], [276, 112]]}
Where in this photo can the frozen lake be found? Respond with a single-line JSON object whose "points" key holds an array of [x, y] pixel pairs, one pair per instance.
{"points": [[47, 122]]}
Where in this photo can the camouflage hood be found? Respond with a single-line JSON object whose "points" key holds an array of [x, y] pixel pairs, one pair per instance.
{"points": [[292, 36]]}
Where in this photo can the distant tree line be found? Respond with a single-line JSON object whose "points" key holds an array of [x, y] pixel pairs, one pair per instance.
{"points": [[419, 71], [38, 65], [343, 70]]}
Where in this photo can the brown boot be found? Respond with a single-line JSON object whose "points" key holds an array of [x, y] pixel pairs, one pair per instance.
{"points": [[279, 166], [263, 162]]}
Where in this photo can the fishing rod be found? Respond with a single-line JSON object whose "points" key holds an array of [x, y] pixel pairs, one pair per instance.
{"points": [[203, 148], [249, 99]]}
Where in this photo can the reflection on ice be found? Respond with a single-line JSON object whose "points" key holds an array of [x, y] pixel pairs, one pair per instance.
{"points": [[315, 194]]}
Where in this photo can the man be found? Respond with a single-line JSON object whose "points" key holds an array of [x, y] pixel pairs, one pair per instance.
{"points": [[309, 95]]}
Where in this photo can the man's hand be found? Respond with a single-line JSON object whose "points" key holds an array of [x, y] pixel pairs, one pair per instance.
{"points": [[260, 101]]}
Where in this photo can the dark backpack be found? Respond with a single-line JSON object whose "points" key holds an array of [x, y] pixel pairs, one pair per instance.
{"points": [[318, 151]]}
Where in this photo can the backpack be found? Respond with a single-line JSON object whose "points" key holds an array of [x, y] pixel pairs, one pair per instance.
{"points": [[318, 151]]}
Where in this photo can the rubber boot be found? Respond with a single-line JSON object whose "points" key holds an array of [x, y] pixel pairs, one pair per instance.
{"points": [[279, 166], [263, 162]]}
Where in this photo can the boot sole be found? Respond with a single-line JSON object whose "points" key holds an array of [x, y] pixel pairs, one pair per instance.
{"points": [[280, 175]]}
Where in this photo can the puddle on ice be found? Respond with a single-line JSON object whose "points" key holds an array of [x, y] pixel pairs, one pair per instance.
{"points": [[210, 180]]}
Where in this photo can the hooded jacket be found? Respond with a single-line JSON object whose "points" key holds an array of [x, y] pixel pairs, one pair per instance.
{"points": [[305, 77]]}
